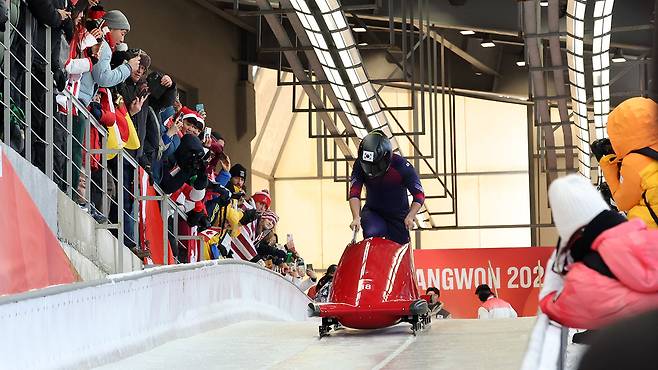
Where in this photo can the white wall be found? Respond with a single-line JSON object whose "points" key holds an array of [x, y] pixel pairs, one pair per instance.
{"points": [[86, 325]]}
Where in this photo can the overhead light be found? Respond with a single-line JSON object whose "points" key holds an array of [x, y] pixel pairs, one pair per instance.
{"points": [[618, 57], [467, 32], [358, 29], [478, 73], [520, 63], [543, 3], [487, 42], [363, 44]]}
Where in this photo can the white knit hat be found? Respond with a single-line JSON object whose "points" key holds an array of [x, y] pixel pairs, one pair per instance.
{"points": [[574, 203]]}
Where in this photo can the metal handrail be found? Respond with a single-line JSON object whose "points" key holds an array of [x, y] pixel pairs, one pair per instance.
{"points": [[23, 88]]}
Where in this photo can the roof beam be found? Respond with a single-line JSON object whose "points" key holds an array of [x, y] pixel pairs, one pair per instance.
{"points": [[463, 54]]}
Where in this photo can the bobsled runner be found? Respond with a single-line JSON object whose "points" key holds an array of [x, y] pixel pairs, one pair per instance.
{"points": [[374, 287]]}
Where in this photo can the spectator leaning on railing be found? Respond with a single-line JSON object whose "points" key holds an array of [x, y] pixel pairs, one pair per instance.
{"points": [[47, 13], [115, 28], [238, 178], [144, 115]]}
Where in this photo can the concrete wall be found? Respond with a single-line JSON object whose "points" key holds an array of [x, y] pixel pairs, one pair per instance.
{"points": [[43, 190], [198, 49], [93, 252]]}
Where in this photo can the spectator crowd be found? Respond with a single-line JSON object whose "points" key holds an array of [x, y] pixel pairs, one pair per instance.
{"points": [[144, 116]]}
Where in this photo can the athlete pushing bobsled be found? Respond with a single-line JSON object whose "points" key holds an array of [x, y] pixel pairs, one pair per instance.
{"points": [[374, 285], [387, 177]]}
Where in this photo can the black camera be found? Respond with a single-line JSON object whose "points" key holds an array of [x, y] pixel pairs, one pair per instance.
{"points": [[154, 82], [601, 147], [605, 191]]}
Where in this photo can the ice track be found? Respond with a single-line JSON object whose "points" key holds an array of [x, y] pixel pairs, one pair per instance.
{"points": [[446, 344]]}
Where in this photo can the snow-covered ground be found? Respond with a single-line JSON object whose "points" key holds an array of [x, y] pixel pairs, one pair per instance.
{"points": [[446, 344]]}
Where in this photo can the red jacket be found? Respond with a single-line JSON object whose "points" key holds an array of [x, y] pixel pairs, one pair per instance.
{"points": [[190, 198], [590, 299]]}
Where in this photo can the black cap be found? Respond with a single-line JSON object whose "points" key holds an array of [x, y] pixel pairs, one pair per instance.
{"points": [[238, 170], [332, 269], [190, 148]]}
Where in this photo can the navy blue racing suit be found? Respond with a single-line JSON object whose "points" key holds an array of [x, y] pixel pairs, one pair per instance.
{"points": [[386, 199]]}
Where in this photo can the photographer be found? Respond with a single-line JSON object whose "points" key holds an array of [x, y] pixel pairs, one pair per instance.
{"points": [[267, 249], [146, 96], [629, 160], [187, 164], [184, 178]]}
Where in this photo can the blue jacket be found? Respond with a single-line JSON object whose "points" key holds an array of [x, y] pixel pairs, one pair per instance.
{"points": [[102, 74]]}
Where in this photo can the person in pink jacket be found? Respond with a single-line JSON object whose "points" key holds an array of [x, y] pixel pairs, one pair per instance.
{"points": [[604, 268], [609, 265], [493, 307]]}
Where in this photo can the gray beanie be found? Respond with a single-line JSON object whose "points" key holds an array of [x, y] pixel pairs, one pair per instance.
{"points": [[115, 19]]}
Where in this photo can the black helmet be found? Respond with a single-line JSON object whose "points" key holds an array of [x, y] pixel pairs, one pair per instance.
{"points": [[375, 153]]}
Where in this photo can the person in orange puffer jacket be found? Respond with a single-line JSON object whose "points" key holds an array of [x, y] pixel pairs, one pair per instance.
{"points": [[632, 170]]}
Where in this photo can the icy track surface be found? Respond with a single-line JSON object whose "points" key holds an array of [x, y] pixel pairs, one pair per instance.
{"points": [[446, 344]]}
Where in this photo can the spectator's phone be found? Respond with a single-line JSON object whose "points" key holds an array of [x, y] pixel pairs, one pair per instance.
{"points": [[309, 266], [207, 156], [289, 238], [199, 107], [207, 133]]}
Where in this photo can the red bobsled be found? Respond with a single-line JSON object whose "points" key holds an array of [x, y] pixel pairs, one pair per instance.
{"points": [[374, 287]]}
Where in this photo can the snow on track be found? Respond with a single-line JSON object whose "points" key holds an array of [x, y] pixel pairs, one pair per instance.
{"points": [[446, 344]]}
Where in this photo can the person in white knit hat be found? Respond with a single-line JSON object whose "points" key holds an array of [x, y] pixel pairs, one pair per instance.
{"points": [[605, 269], [575, 203]]}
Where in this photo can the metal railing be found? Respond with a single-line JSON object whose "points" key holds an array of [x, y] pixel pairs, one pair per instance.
{"points": [[34, 127]]}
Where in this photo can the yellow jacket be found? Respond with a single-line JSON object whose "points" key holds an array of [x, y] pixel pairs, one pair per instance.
{"points": [[633, 125]]}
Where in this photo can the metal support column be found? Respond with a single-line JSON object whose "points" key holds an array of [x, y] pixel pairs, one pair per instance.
{"points": [[28, 87], [6, 88], [531, 177], [120, 210], [50, 108], [69, 148], [165, 227]]}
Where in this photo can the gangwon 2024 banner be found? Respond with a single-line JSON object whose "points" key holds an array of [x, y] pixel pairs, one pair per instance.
{"points": [[514, 274]]}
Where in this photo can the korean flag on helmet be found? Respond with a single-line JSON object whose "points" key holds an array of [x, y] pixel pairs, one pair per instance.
{"points": [[368, 156]]}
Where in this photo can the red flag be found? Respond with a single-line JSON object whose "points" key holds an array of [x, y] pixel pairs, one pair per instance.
{"points": [[30, 254], [150, 224]]}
